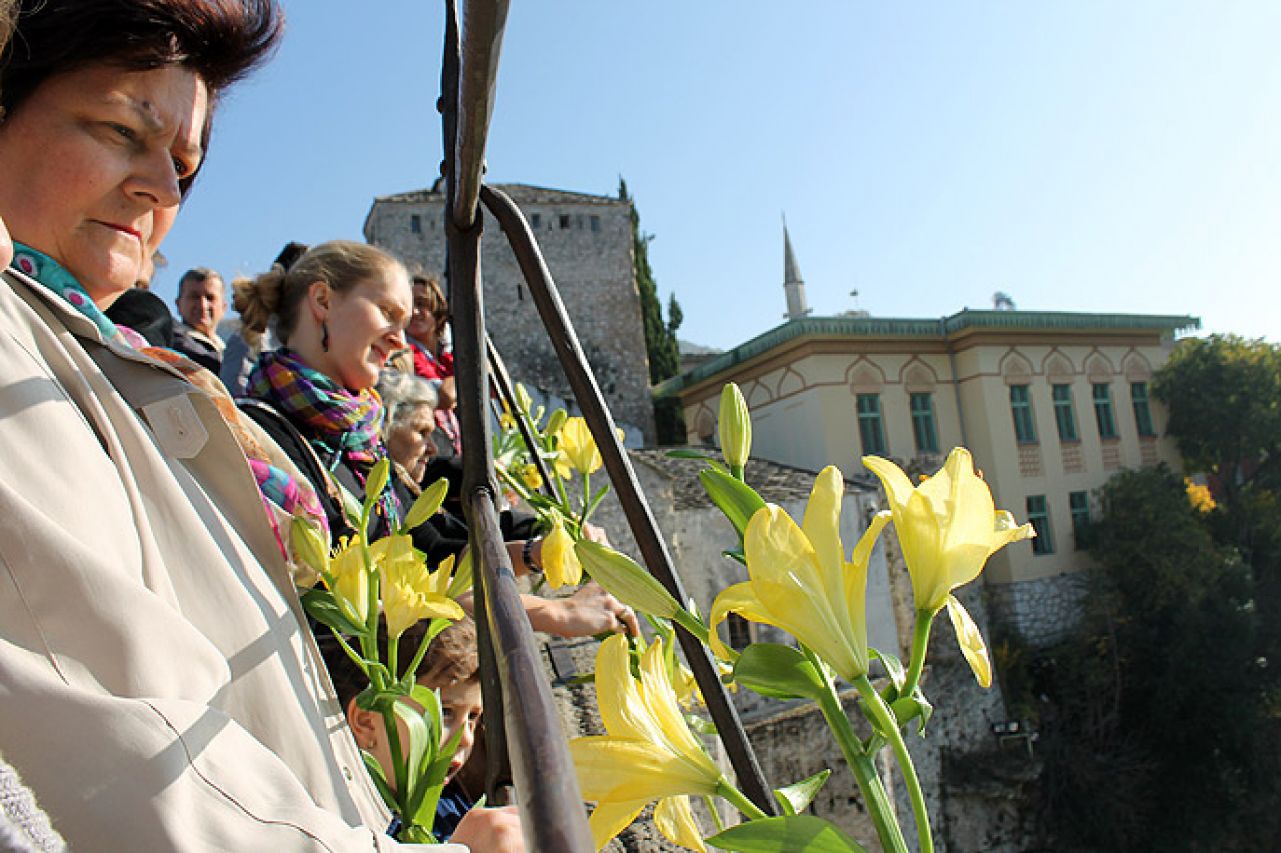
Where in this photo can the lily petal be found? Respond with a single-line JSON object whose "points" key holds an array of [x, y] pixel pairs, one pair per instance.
{"points": [[971, 640], [675, 819], [609, 818]]}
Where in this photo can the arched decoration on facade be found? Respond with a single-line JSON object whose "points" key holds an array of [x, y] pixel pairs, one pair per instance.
{"points": [[704, 424], [1098, 368], [1015, 368], [791, 382], [864, 377], [757, 393], [1058, 368], [1136, 368], [918, 377]]}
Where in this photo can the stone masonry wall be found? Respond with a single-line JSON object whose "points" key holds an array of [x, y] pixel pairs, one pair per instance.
{"points": [[587, 243], [1042, 611]]}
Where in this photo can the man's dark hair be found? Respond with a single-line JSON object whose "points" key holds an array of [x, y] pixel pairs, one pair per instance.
{"points": [[219, 41], [196, 274]]}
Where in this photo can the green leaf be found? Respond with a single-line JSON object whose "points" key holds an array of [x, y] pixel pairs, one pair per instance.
{"points": [[778, 671], [701, 726], [321, 606], [426, 504], [421, 746], [786, 834], [736, 555], [893, 668], [914, 707], [380, 781], [422, 804], [689, 454], [796, 797], [733, 497]]}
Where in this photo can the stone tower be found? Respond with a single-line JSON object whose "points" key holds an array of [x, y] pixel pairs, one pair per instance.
{"points": [[587, 243], [793, 284]]}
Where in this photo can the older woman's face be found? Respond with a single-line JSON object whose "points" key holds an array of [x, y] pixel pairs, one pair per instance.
{"points": [[409, 440], [90, 164]]}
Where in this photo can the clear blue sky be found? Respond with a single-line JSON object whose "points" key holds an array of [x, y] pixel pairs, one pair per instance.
{"points": [[1086, 155]]}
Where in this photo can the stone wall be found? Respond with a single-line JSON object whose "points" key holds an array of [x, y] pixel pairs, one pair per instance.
{"points": [[1041, 611], [586, 241]]}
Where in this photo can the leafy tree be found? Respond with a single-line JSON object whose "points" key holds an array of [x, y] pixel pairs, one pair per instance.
{"points": [[660, 336], [1223, 394]]}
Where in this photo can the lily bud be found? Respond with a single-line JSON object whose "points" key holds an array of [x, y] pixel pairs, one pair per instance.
{"points": [[735, 427], [556, 421], [426, 504], [623, 578]]}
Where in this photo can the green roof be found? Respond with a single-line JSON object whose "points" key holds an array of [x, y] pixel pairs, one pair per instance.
{"points": [[899, 327]]}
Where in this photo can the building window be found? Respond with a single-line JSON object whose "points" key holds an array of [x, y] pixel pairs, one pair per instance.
{"points": [[595, 224], [1103, 410], [869, 424], [1039, 515], [535, 220], [1064, 416], [415, 224], [1142, 411], [1021, 406], [1080, 505], [927, 439], [740, 631], [564, 222]]}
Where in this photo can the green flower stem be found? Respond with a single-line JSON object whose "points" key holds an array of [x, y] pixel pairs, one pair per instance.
{"points": [[422, 650], [738, 472], [691, 623], [401, 771], [393, 653], [738, 800], [716, 815], [864, 769], [888, 726], [920, 644], [587, 496]]}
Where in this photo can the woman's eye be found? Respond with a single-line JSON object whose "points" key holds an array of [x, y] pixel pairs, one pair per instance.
{"points": [[180, 167], [123, 131]]}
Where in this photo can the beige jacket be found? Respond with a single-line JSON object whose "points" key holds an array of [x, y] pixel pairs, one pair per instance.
{"points": [[158, 690]]}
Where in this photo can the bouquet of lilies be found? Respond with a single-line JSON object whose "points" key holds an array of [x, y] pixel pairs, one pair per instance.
{"points": [[568, 452], [387, 580], [802, 582]]}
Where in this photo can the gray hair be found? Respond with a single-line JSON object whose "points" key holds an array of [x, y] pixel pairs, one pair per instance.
{"points": [[402, 394]]}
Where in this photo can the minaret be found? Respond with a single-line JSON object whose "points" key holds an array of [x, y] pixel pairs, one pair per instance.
{"points": [[793, 284]]}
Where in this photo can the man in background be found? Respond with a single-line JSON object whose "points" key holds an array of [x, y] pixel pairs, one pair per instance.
{"points": [[202, 301]]}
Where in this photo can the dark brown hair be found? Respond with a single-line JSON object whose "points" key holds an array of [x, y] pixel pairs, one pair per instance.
{"points": [[437, 305], [219, 41], [450, 659], [342, 264], [197, 274]]}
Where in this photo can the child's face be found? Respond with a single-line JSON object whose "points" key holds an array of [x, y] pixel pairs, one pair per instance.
{"points": [[461, 707]]}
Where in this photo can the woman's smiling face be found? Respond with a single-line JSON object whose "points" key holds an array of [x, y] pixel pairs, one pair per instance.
{"points": [[366, 325], [90, 164]]}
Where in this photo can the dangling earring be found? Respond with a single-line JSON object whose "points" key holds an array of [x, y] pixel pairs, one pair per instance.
{"points": [[324, 336]]}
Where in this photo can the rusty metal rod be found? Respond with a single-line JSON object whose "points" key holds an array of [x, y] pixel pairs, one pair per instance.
{"points": [[640, 519], [506, 392], [551, 806]]}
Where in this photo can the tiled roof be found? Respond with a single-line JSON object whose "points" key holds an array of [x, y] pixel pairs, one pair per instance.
{"points": [[774, 481], [519, 193]]}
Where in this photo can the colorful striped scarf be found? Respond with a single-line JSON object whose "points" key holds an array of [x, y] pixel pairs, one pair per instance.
{"points": [[344, 424]]}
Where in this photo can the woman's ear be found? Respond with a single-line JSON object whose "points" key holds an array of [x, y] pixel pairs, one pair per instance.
{"points": [[365, 725], [319, 295]]}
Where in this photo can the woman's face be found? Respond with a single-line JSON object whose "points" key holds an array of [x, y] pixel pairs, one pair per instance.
{"points": [[422, 325], [409, 440], [90, 164], [366, 324]]}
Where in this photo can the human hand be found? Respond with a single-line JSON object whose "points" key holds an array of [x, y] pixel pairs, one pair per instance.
{"points": [[592, 533], [491, 831], [589, 611]]}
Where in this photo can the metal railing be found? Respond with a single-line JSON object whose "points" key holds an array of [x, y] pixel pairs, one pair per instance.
{"points": [[524, 744]]}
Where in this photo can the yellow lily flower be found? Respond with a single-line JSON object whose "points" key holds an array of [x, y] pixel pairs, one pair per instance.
{"points": [[560, 562], [528, 474], [648, 754], [577, 449], [801, 582], [948, 525], [350, 584], [411, 592]]}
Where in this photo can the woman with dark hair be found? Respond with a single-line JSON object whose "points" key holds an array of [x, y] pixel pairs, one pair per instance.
{"points": [[158, 687]]}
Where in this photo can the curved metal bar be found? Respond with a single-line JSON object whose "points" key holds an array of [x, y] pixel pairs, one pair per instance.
{"points": [[640, 519], [551, 806]]}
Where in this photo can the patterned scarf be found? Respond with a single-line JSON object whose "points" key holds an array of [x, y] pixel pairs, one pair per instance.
{"points": [[343, 424], [275, 485]]}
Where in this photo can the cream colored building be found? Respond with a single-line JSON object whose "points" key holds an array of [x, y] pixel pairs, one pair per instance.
{"points": [[1050, 404]]}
